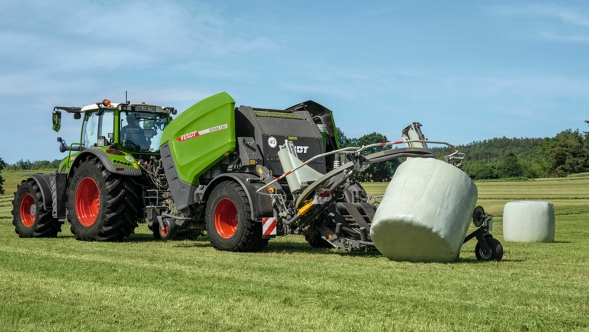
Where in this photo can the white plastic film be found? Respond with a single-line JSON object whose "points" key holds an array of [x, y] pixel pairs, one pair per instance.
{"points": [[302, 175], [528, 221], [425, 212]]}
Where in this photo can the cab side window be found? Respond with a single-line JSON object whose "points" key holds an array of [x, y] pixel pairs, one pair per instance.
{"points": [[90, 130]]}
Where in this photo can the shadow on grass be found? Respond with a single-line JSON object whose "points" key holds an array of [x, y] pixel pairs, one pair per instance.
{"points": [[289, 247], [472, 260]]}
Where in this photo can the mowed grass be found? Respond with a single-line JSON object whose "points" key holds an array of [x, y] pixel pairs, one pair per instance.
{"points": [[143, 284]]}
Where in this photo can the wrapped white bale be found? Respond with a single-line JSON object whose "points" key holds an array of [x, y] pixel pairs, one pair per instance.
{"points": [[425, 212], [528, 221]]}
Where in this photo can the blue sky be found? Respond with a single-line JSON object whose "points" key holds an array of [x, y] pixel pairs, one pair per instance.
{"points": [[467, 70]]}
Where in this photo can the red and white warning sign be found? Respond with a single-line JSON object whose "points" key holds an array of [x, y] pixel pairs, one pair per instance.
{"points": [[201, 132], [269, 226]]}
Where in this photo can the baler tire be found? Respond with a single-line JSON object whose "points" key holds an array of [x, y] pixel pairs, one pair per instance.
{"points": [[314, 239], [155, 230], [102, 206], [32, 221], [169, 230], [228, 220]]}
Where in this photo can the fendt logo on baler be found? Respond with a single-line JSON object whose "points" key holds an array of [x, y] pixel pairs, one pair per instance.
{"points": [[301, 149], [272, 142]]}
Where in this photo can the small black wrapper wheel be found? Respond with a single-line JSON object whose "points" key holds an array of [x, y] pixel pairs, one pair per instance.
{"points": [[495, 253]]}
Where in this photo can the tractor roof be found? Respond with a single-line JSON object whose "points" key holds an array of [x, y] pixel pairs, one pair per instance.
{"points": [[128, 107]]}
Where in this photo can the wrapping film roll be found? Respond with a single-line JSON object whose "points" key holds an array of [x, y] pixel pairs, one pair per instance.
{"points": [[425, 212]]}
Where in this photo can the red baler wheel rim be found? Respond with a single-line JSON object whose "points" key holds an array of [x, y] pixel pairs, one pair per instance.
{"points": [[226, 218], [26, 217], [165, 230], [87, 202]]}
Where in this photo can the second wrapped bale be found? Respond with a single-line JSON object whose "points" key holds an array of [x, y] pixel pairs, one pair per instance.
{"points": [[425, 212]]}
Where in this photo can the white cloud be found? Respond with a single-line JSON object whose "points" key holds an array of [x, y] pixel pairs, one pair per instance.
{"points": [[566, 15], [90, 36], [556, 23]]}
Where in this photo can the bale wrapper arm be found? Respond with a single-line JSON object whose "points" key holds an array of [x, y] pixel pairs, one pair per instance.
{"points": [[322, 212]]}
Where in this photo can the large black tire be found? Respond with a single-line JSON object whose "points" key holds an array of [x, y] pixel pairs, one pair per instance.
{"points": [[29, 217], [102, 206], [228, 220]]}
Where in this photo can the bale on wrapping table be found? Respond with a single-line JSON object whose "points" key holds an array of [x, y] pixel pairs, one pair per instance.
{"points": [[425, 212]]}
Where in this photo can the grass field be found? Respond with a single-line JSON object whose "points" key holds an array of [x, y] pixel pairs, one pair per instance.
{"points": [[142, 284]]}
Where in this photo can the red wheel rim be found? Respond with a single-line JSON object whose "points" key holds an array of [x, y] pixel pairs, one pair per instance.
{"points": [[226, 218], [87, 202], [164, 231], [26, 217]]}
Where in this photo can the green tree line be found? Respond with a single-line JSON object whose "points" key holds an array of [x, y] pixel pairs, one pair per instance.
{"points": [[566, 153], [23, 165]]}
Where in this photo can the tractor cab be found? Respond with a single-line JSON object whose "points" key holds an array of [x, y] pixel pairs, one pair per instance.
{"points": [[133, 128]]}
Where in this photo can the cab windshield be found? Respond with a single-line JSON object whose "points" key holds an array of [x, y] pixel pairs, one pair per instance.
{"points": [[142, 131]]}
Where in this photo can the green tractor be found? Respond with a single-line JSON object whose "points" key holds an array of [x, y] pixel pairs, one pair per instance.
{"points": [[97, 187]]}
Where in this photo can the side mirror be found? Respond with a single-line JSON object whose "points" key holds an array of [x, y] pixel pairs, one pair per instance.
{"points": [[62, 145], [56, 120]]}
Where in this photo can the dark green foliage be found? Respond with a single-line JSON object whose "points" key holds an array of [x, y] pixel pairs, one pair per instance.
{"points": [[379, 171], [568, 153], [510, 166], [344, 141], [481, 170], [2, 165]]}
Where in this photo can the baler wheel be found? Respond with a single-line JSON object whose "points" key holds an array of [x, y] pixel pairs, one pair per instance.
{"points": [[228, 220], [169, 229], [30, 218], [316, 241], [101, 206], [496, 252]]}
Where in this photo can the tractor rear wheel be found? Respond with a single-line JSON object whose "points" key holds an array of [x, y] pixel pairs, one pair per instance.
{"points": [[228, 220], [102, 206], [30, 218]]}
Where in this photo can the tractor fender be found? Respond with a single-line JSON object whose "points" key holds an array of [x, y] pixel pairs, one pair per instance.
{"points": [[43, 182], [106, 161], [261, 205]]}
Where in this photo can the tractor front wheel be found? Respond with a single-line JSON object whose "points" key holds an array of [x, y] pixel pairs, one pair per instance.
{"points": [[228, 220], [102, 206], [30, 218]]}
